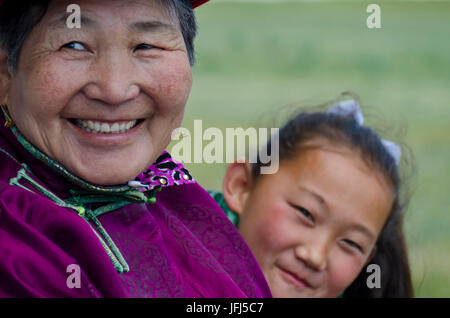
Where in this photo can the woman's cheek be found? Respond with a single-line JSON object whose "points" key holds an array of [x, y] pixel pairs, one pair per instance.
{"points": [[174, 83], [53, 100]]}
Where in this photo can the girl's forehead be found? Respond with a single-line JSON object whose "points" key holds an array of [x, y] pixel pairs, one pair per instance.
{"points": [[341, 179], [324, 160]]}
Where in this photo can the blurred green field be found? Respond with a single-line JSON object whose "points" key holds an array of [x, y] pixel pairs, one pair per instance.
{"points": [[254, 58]]}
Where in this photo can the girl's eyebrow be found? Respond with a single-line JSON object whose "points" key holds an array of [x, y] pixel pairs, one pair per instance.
{"points": [[316, 196], [364, 230]]}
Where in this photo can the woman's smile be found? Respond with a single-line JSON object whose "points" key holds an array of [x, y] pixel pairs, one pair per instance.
{"points": [[107, 133], [102, 127]]}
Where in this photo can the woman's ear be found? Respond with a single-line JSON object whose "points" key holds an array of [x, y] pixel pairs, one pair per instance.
{"points": [[236, 186], [5, 78]]}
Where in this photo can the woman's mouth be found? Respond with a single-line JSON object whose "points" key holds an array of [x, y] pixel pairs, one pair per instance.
{"points": [[101, 127]]}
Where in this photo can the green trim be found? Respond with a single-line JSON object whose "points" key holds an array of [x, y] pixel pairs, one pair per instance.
{"points": [[88, 215], [60, 169]]}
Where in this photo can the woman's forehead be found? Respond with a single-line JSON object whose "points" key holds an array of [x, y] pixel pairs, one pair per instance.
{"points": [[103, 8], [139, 17], [194, 3]]}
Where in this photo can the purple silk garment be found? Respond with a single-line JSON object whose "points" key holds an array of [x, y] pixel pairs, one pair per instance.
{"points": [[181, 246]]}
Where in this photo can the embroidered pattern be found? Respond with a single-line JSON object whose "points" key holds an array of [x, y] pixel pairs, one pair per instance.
{"points": [[164, 172]]}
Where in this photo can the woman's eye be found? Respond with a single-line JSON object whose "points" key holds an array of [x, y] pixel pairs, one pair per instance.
{"points": [[306, 213], [75, 46], [144, 46], [354, 245]]}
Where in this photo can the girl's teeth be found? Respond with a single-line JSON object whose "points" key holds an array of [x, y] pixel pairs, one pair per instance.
{"points": [[105, 128]]}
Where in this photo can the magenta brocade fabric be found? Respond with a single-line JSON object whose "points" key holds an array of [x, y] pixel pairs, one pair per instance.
{"points": [[181, 246]]}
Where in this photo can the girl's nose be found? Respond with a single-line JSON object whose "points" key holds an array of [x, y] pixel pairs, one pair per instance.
{"points": [[113, 81], [314, 256]]}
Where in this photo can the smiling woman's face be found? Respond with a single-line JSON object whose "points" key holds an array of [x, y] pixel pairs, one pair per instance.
{"points": [[102, 100]]}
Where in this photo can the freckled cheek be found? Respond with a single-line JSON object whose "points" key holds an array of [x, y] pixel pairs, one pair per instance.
{"points": [[174, 86], [48, 88]]}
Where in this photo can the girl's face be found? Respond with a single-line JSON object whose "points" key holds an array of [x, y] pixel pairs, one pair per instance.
{"points": [[313, 225]]}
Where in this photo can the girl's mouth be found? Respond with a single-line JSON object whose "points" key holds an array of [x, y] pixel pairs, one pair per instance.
{"points": [[294, 279], [101, 127]]}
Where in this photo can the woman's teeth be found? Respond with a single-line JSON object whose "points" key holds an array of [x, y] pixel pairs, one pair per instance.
{"points": [[105, 128]]}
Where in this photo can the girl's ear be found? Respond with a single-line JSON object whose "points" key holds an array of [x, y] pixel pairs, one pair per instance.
{"points": [[371, 255], [236, 186]]}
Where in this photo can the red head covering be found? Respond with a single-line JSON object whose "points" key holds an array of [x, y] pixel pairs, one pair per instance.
{"points": [[194, 3]]}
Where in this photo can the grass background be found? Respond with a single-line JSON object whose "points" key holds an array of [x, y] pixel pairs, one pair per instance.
{"points": [[254, 58]]}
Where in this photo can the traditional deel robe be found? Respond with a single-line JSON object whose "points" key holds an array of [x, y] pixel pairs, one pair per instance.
{"points": [[219, 198], [164, 236]]}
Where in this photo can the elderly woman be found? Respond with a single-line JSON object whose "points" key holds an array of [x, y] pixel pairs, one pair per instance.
{"points": [[90, 202]]}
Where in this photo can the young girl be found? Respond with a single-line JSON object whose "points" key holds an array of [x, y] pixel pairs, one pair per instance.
{"points": [[332, 209]]}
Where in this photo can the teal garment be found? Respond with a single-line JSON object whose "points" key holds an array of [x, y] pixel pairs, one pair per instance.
{"points": [[233, 217], [218, 196]]}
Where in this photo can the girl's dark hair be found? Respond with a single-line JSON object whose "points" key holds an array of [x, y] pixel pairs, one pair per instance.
{"points": [[391, 253], [18, 17]]}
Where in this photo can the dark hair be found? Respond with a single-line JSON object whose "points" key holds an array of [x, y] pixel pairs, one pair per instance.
{"points": [[18, 17], [391, 253]]}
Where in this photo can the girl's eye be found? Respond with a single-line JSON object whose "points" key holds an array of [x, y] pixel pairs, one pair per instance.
{"points": [[306, 213], [75, 46], [354, 245]]}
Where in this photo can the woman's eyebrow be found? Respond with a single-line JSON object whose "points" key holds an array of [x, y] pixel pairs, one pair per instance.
{"points": [[152, 26]]}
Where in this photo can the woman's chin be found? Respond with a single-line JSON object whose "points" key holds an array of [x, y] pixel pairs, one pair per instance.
{"points": [[108, 168], [107, 179], [107, 175]]}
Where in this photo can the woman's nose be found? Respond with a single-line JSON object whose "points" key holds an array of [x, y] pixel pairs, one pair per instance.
{"points": [[113, 80], [314, 256]]}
